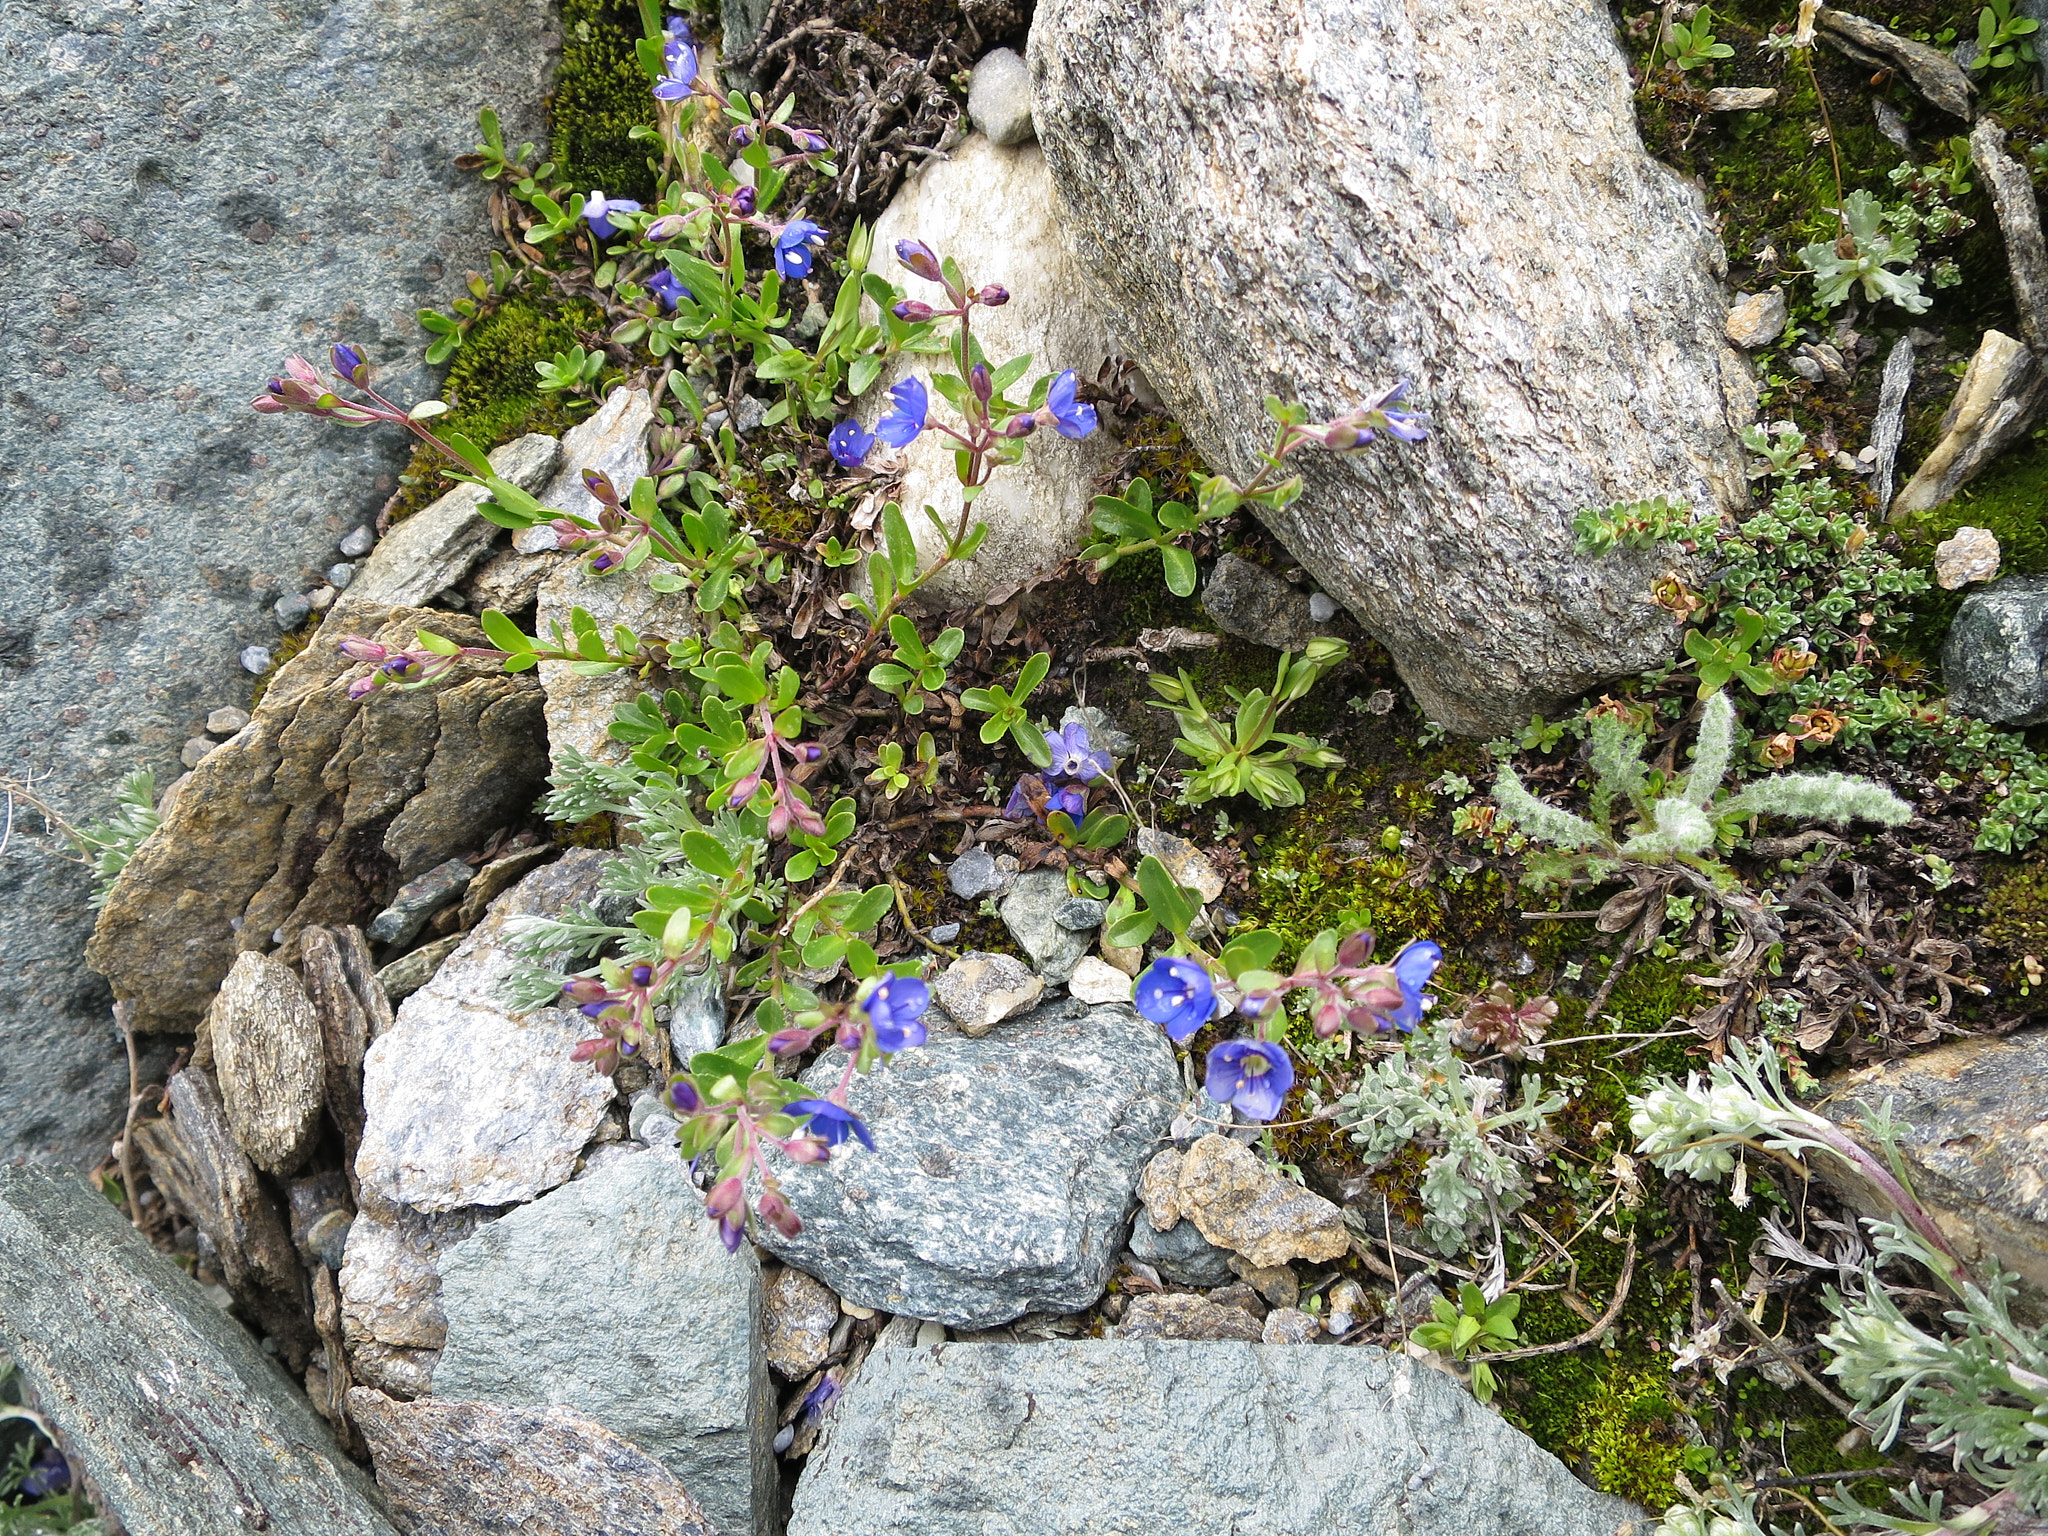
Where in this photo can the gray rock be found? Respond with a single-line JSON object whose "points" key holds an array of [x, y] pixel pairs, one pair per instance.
{"points": [[1740, 98], [748, 412], [1888, 427], [1181, 1255], [166, 1406], [613, 441], [1097, 981], [321, 598], [945, 933], [1188, 865], [993, 210], [974, 875], [418, 900], [254, 659], [1029, 912], [696, 1020], [390, 1284], [1242, 1204], [999, 97], [466, 1102], [651, 1119], [439, 545], [226, 720], [1757, 319], [1103, 732], [1080, 914], [341, 574], [980, 990], [1995, 659], [358, 542], [267, 1054], [1998, 399], [414, 969], [1002, 1176], [1091, 1436], [469, 1469], [614, 1297], [1290, 1325], [291, 610], [1442, 226], [1249, 601], [1322, 607], [799, 1315], [1933, 73], [1970, 1119], [195, 750], [1970, 554]]}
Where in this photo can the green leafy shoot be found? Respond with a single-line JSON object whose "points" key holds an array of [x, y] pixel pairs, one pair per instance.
{"points": [[1006, 711], [1250, 755], [1471, 1328]]}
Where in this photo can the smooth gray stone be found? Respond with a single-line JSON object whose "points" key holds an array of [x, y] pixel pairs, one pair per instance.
{"points": [[1183, 1255], [1411, 198], [974, 874], [166, 1405], [439, 545], [418, 900], [1995, 659], [613, 1296], [1003, 1171], [1252, 603], [1113, 1438], [999, 97], [1031, 913], [197, 192]]}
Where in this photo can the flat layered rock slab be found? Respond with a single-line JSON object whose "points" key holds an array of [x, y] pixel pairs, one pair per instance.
{"points": [[1003, 1176], [467, 1101], [1095, 1438]]}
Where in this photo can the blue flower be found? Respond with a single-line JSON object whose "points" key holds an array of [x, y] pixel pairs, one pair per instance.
{"points": [[48, 1474], [831, 1123], [1070, 798], [1073, 756], [895, 1008], [1067, 415], [679, 59], [1413, 967], [819, 1398], [347, 361], [598, 209], [668, 288], [793, 253], [899, 426], [1177, 995], [1251, 1075], [849, 444]]}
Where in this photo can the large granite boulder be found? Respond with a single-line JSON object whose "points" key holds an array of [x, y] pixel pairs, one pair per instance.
{"points": [[1003, 1172], [1095, 1438], [1317, 200], [197, 192], [613, 1296], [317, 811]]}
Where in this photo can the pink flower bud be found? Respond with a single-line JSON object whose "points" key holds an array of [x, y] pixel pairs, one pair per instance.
{"points": [[912, 309], [921, 259], [776, 1212], [356, 648], [807, 1149], [994, 295], [726, 1196]]}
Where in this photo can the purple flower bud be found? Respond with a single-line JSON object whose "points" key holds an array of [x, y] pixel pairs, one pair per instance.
{"points": [[1020, 426], [683, 1096], [994, 295], [783, 1041], [919, 258], [979, 381], [641, 975], [599, 484], [776, 1212], [726, 1195], [809, 140], [348, 362], [362, 687], [743, 136], [400, 665], [744, 201], [810, 751], [356, 648], [584, 989], [667, 227], [604, 562], [593, 1010], [902, 309], [807, 1149]]}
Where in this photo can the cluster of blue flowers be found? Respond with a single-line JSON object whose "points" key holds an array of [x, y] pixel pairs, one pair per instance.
{"points": [[1076, 763], [1254, 1075]]}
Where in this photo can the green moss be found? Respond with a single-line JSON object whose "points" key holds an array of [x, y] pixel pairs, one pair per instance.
{"points": [[2016, 910], [601, 95], [493, 389]]}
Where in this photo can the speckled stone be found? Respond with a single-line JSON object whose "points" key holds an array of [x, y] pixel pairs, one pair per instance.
{"points": [[1002, 1176]]}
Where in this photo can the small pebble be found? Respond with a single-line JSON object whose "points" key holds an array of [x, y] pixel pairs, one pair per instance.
{"points": [[321, 598], [747, 414], [357, 542], [999, 98], [227, 720], [291, 610], [340, 575], [929, 1334], [255, 659], [1322, 607], [783, 1437], [194, 751], [945, 933], [1079, 914]]}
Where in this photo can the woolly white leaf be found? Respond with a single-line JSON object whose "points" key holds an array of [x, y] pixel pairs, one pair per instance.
{"points": [[1542, 820], [1836, 797], [1712, 751]]}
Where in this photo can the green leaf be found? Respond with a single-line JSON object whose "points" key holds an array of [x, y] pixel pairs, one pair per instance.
{"points": [[504, 634], [1180, 569], [438, 645], [1254, 951], [708, 854], [902, 548], [861, 376], [740, 684]]}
